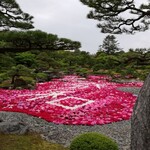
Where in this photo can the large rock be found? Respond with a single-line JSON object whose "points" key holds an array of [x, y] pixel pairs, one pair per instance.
{"points": [[140, 122], [13, 127]]}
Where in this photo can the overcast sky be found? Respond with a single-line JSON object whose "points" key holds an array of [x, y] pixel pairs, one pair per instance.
{"points": [[67, 19]]}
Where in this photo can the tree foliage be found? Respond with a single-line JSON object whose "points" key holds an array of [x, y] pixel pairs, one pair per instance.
{"points": [[110, 45], [28, 40], [43, 65], [25, 58], [118, 16], [11, 15]]}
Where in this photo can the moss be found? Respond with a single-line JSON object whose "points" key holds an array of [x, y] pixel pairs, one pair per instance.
{"points": [[27, 142]]}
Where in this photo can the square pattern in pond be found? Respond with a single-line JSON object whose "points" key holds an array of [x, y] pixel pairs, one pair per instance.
{"points": [[70, 102]]}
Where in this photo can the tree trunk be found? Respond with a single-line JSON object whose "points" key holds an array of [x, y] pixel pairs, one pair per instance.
{"points": [[140, 121], [13, 79]]}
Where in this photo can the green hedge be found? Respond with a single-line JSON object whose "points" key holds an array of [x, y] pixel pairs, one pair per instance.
{"points": [[93, 141]]}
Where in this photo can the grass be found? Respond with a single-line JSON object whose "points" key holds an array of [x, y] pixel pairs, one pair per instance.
{"points": [[26, 142]]}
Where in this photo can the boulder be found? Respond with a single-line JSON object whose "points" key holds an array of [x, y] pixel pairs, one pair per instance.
{"points": [[13, 127]]}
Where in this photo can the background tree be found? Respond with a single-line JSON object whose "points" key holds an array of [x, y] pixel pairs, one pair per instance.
{"points": [[110, 45], [111, 15], [11, 15], [6, 62], [44, 61], [25, 58]]}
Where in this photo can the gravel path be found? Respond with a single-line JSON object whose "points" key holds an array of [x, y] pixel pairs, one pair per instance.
{"points": [[134, 90], [63, 134]]}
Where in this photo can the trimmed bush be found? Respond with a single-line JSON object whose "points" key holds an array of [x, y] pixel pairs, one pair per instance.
{"points": [[41, 77], [28, 80], [24, 82], [93, 141], [3, 76], [6, 84]]}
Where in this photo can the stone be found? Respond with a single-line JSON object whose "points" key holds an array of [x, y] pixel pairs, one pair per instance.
{"points": [[140, 120], [13, 128]]}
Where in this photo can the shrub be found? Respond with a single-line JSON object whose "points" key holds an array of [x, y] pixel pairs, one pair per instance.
{"points": [[3, 76], [129, 72], [6, 84], [26, 83], [28, 80], [82, 72], [41, 77], [143, 75], [93, 141]]}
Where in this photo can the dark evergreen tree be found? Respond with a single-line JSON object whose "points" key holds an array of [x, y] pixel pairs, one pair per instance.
{"points": [[111, 15], [30, 40], [11, 15], [110, 45]]}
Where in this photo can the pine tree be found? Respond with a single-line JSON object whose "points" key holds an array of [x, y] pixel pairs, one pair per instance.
{"points": [[118, 16], [110, 45], [11, 15]]}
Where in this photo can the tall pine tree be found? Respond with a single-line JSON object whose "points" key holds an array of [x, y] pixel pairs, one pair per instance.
{"points": [[110, 45]]}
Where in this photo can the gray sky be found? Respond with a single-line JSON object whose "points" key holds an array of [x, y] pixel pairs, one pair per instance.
{"points": [[67, 19]]}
